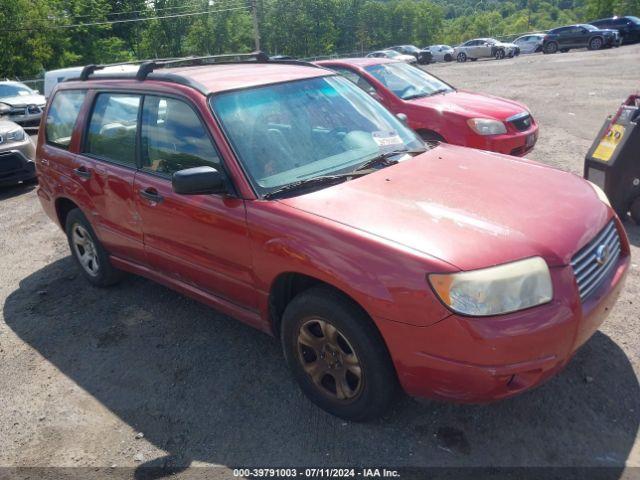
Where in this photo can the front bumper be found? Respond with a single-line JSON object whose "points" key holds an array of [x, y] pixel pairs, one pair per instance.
{"points": [[16, 163], [478, 360], [25, 119], [513, 142]]}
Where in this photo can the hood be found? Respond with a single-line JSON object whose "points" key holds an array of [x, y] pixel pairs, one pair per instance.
{"points": [[8, 126], [472, 105], [470, 208], [24, 100]]}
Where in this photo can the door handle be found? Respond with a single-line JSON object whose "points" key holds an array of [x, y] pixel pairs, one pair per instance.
{"points": [[151, 194], [82, 172]]}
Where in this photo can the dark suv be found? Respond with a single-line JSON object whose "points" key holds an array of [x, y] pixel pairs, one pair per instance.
{"points": [[579, 36], [424, 57], [628, 27]]}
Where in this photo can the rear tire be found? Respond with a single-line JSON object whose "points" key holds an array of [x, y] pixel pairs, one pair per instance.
{"points": [[551, 47], [337, 355], [88, 253]]}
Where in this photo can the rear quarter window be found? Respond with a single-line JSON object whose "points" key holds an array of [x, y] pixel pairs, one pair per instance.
{"points": [[62, 116]]}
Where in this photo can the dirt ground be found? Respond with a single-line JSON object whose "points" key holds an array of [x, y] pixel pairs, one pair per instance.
{"points": [[84, 370]]}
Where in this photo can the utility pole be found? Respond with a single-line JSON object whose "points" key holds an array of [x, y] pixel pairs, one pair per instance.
{"points": [[256, 31]]}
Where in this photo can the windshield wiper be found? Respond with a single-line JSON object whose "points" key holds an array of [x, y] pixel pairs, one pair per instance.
{"points": [[311, 182], [384, 159], [426, 94], [416, 95]]}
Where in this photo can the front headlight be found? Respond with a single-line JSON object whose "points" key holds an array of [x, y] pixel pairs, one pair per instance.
{"points": [[495, 290], [600, 193], [486, 126], [16, 135]]}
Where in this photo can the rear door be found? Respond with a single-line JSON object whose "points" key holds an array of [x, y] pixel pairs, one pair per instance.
{"points": [[106, 167], [200, 240]]}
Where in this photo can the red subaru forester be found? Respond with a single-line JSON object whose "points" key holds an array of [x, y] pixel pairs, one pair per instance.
{"points": [[438, 111], [285, 196]]}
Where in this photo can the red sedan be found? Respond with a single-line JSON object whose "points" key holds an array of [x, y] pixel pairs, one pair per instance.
{"points": [[284, 196], [438, 111]]}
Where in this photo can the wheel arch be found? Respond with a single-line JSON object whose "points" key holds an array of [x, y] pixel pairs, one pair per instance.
{"points": [[428, 132], [287, 285], [63, 206]]}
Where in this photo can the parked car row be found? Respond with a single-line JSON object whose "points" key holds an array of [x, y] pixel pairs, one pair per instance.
{"points": [[607, 32], [283, 194]]}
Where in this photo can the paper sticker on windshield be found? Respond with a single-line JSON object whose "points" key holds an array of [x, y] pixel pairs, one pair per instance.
{"points": [[389, 139]]}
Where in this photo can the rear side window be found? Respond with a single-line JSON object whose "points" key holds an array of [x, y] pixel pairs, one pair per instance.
{"points": [[173, 137], [62, 116], [112, 128]]}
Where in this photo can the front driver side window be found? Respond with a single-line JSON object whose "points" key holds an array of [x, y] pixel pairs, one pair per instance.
{"points": [[354, 77], [173, 137]]}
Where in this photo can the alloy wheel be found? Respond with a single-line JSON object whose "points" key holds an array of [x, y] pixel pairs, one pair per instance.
{"points": [[596, 44], [85, 249], [329, 360]]}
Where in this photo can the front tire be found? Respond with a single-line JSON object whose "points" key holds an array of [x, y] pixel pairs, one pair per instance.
{"points": [[499, 54], [448, 58], [337, 355], [462, 57], [88, 253], [596, 43], [430, 137]]}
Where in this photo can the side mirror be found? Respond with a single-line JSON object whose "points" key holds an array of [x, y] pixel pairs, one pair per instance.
{"points": [[403, 118], [4, 109], [198, 181]]}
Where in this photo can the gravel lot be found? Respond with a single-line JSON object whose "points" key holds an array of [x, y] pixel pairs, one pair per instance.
{"points": [[83, 370]]}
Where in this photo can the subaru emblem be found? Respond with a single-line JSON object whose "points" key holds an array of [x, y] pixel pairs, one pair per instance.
{"points": [[602, 254]]}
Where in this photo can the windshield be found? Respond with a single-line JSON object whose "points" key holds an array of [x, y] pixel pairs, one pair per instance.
{"points": [[391, 53], [407, 82], [591, 28], [298, 130], [14, 90], [635, 20]]}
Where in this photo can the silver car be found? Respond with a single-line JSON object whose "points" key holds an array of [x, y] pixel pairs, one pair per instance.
{"points": [[441, 53], [25, 105], [484, 48], [17, 153], [531, 43]]}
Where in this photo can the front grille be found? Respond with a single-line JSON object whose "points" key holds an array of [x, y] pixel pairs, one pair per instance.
{"points": [[33, 109], [18, 111], [594, 261], [522, 122], [9, 163]]}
